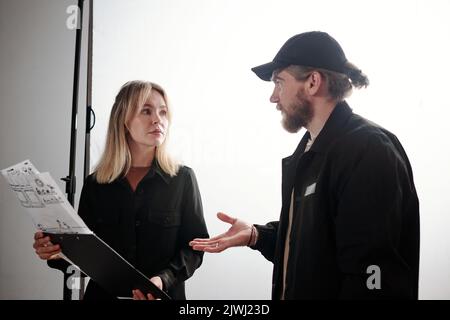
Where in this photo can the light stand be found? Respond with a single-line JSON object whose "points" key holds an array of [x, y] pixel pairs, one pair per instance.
{"points": [[71, 178]]}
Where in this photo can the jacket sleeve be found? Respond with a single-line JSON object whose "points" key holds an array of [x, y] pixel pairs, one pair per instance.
{"points": [[267, 238], [186, 261], [373, 189]]}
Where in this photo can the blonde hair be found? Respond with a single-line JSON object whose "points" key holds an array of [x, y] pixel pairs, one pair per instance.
{"points": [[116, 158]]}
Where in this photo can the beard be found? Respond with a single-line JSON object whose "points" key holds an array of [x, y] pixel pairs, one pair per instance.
{"points": [[301, 113]]}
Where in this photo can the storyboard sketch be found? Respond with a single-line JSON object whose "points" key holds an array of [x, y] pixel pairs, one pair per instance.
{"points": [[44, 201]]}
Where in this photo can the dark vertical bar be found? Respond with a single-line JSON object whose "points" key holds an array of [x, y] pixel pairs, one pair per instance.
{"points": [[89, 110], [70, 179]]}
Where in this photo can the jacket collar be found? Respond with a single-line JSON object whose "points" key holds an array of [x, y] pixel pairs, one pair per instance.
{"points": [[333, 127], [330, 131]]}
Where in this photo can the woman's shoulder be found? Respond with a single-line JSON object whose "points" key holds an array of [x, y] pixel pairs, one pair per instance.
{"points": [[91, 181], [185, 173], [184, 170], [90, 178]]}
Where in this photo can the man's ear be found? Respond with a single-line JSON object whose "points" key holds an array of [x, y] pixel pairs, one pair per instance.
{"points": [[314, 82]]}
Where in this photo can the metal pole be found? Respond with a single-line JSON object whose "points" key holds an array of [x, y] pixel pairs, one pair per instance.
{"points": [[90, 115], [70, 179]]}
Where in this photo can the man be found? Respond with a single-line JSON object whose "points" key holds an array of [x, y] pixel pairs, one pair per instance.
{"points": [[349, 223]]}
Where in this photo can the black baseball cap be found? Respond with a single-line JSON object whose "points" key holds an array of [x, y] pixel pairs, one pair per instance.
{"points": [[310, 49]]}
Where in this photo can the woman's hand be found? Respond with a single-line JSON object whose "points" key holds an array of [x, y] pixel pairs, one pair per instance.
{"points": [[44, 248], [138, 295]]}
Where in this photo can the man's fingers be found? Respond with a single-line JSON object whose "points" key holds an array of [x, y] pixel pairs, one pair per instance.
{"points": [[211, 248], [226, 218], [222, 216], [203, 240]]}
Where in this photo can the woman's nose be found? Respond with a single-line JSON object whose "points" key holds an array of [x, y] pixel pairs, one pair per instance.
{"points": [[156, 119]]}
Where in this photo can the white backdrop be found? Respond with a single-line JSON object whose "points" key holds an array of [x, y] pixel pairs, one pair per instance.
{"points": [[225, 128]]}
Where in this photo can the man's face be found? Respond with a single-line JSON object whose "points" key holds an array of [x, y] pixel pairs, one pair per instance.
{"points": [[291, 99]]}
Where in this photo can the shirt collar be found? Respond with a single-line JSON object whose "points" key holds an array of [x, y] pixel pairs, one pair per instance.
{"points": [[155, 169]]}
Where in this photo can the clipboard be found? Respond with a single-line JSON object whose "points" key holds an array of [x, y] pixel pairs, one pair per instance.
{"points": [[104, 265]]}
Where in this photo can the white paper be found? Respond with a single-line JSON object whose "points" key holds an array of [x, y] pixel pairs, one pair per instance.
{"points": [[44, 201]]}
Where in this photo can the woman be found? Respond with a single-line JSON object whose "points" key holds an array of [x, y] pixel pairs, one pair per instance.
{"points": [[139, 200]]}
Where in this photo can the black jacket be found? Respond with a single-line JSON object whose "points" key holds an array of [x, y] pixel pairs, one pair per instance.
{"points": [[151, 227], [355, 205]]}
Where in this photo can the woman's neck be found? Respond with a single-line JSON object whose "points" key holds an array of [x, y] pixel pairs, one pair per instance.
{"points": [[141, 156]]}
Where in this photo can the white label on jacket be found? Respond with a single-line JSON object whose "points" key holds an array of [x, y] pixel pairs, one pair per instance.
{"points": [[310, 189]]}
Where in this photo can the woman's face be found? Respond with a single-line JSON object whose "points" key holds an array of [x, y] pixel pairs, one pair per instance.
{"points": [[148, 127]]}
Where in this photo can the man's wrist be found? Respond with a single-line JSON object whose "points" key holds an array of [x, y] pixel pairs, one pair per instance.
{"points": [[253, 237]]}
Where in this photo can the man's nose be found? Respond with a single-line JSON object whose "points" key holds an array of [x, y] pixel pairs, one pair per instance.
{"points": [[274, 97]]}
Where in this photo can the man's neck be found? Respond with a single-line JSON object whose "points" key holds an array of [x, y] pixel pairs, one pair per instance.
{"points": [[322, 112]]}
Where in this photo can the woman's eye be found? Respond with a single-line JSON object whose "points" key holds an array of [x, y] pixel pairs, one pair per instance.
{"points": [[145, 111], [163, 112]]}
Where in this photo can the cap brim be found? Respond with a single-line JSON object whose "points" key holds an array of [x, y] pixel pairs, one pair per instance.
{"points": [[265, 71]]}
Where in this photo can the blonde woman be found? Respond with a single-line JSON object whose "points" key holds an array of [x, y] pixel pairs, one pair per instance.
{"points": [[138, 200]]}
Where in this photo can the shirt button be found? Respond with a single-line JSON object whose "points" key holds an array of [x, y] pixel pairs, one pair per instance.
{"points": [[138, 223]]}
